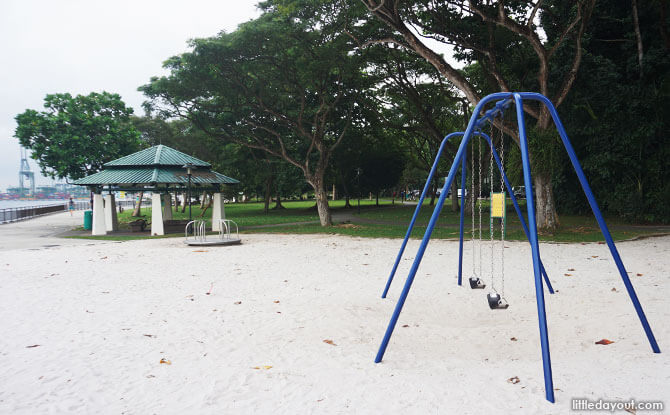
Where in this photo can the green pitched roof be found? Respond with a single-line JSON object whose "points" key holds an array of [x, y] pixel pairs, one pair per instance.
{"points": [[159, 155], [157, 175], [153, 166]]}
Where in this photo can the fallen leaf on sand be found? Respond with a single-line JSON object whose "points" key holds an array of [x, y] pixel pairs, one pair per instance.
{"points": [[604, 342], [262, 367], [34, 345], [149, 335], [571, 269], [594, 256], [200, 250], [613, 289], [104, 257], [237, 302], [630, 410], [276, 301], [167, 362], [327, 341], [638, 274], [514, 380], [568, 275], [405, 325], [513, 339]]}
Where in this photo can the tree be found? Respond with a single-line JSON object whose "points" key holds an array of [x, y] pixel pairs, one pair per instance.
{"points": [[75, 136], [617, 116], [276, 84], [515, 44]]}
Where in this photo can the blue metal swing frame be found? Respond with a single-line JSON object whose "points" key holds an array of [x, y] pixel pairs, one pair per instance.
{"points": [[505, 100]]}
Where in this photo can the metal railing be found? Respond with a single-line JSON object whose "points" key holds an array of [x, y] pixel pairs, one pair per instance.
{"points": [[20, 213]]}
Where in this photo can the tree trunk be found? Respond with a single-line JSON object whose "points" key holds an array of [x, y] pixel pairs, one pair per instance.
{"points": [[377, 198], [321, 196], [183, 205], [203, 200], [278, 204], [210, 201], [454, 196], [137, 210], [433, 186], [268, 193], [347, 204], [638, 38], [176, 202], [545, 207]]}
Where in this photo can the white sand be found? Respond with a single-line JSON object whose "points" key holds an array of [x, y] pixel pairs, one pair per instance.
{"points": [[90, 309]]}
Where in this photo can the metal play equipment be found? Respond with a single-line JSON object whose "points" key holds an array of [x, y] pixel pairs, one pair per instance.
{"points": [[196, 233], [503, 101]]}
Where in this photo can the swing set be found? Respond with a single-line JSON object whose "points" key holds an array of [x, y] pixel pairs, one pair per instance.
{"points": [[497, 216]]}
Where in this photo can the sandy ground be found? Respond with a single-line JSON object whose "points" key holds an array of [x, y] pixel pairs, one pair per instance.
{"points": [[244, 329]]}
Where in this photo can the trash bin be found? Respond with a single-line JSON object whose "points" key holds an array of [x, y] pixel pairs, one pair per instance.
{"points": [[88, 220]]}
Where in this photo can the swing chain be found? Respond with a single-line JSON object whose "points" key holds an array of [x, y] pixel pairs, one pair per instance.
{"points": [[502, 220], [479, 202], [472, 208], [491, 230]]}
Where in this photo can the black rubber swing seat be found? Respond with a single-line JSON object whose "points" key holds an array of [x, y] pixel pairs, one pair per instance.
{"points": [[496, 302], [476, 283]]}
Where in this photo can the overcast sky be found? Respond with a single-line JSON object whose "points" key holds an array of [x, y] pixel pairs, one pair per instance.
{"points": [[80, 46]]}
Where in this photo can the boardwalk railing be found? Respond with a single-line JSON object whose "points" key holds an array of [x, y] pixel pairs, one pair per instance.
{"points": [[26, 212]]}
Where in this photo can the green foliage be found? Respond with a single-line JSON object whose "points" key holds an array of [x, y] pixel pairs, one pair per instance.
{"points": [[618, 121], [546, 150], [277, 84], [75, 136]]}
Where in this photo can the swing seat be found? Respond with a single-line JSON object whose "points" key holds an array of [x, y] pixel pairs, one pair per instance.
{"points": [[476, 283], [496, 302]]}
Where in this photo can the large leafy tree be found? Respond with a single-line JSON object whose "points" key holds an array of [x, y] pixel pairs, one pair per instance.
{"points": [[277, 84], [517, 45], [618, 117], [74, 136]]}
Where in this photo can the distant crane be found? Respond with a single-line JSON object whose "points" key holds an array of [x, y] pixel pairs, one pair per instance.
{"points": [[25, 173]]}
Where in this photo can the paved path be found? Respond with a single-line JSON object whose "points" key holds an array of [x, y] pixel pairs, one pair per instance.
{"points": [[42, 232]]}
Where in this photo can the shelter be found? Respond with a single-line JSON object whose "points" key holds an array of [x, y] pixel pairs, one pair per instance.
{"points": [[159, 170]]}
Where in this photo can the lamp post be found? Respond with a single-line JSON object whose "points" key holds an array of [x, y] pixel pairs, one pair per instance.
{"points": [[189, 172], [358, 178]]}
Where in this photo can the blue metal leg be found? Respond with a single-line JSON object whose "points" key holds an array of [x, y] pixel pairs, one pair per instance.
{"points": [[462, 202], [426, 187], [539, 292], [516, 207], [601, 221]]}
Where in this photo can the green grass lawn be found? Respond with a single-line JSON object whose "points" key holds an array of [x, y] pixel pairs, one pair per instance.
{"points": [[390, 221], [252, 214]]}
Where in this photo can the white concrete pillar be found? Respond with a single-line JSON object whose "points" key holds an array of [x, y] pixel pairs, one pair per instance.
{"points": [[167, 206], [218, 211], [156, 215], [99, 227], [111, 218]]}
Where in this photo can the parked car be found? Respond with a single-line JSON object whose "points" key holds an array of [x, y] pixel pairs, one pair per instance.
{"points": [[460, 193], [519, 192]]}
